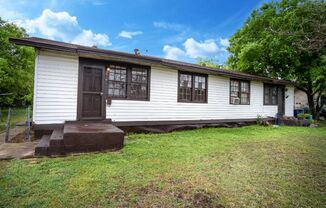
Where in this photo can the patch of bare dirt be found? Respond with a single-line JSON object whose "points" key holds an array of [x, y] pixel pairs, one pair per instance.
{"points": [[18, 138], [171, 193]]}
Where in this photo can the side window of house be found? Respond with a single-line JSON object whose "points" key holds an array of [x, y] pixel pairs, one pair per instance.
{"points": [[192, 87], [185, 87], [138, 84], [128, 82], [270, 94], [239, 92], [117, 81], [200, 91]]}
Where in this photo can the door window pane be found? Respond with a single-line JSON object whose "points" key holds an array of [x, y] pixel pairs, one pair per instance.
{"points": [[270, 94]]}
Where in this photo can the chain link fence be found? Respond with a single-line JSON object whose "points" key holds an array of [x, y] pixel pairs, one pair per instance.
{"points": [[15, 125]]}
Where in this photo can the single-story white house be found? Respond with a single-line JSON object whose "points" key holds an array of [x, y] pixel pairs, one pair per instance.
{"points": [[74, 82]]}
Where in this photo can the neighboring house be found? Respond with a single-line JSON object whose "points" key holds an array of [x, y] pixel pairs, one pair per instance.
{"points": [[300, 99], [74, 82]]}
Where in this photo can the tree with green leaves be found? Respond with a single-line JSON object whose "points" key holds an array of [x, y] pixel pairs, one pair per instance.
{"points": [[209, 63], [16, 67], [285, 39]]}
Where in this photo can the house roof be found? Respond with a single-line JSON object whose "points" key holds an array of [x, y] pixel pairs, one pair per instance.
{"points": [[93, 52]]}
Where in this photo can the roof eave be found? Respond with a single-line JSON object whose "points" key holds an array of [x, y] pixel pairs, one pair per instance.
{"points": [[18, 41], [83, 51]]}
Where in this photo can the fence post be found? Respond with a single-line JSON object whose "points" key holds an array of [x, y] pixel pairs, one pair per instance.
{"points": [[28, 125], [8, 125]]}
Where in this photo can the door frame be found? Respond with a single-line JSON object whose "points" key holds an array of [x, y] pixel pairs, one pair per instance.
{"points": [[282, 87], [82, 63]]}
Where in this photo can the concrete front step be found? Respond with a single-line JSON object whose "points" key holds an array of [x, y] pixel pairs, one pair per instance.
{"points": [[92, 136], [51, 144], [42, 148], [56, 138], [57, 146], [78, 137]]}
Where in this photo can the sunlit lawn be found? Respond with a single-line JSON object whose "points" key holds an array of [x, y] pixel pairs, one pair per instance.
{"points": [[232, 167]]}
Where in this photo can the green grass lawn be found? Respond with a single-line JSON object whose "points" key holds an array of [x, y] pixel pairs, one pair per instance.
{"points": [[232, 167]]}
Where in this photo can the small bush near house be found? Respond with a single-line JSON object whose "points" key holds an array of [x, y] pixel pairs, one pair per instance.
{"points": [[304, 116], [259, 120]]}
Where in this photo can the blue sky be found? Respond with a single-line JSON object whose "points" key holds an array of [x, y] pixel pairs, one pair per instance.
{"points": [[176, 29]]}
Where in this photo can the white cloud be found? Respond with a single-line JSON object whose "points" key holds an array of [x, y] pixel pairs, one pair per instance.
{"points": [[169, 26], [87, 37], [62, 26], [172, 52], [192, 49], [51, 24], [195, 49], [224, 42], [129, 35]]}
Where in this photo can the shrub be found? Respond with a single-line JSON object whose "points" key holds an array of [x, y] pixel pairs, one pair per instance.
{"points": [[304, 115], [259, 120]]}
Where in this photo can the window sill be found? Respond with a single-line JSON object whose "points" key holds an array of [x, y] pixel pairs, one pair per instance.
{"points": [[238, 104], [192, 102], [131, 99]]}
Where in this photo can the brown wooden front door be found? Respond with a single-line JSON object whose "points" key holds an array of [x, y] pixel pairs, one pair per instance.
{"points": [[281, 102], [91, 101]]}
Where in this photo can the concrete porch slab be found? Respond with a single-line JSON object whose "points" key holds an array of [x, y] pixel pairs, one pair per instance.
{"points": [[92, 136], [10, 151]]}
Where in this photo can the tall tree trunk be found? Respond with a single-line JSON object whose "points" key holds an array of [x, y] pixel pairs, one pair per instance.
{"points": [[311, 104]]}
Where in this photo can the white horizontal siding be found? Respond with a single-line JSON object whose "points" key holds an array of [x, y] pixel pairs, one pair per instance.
{"points": [[163, 103], [289, 101], [55, 91], [56, 87]]}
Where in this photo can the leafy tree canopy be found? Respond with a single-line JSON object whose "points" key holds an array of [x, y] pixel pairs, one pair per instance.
{"points": [[285, 39], [209, 63], [16, 67]]}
